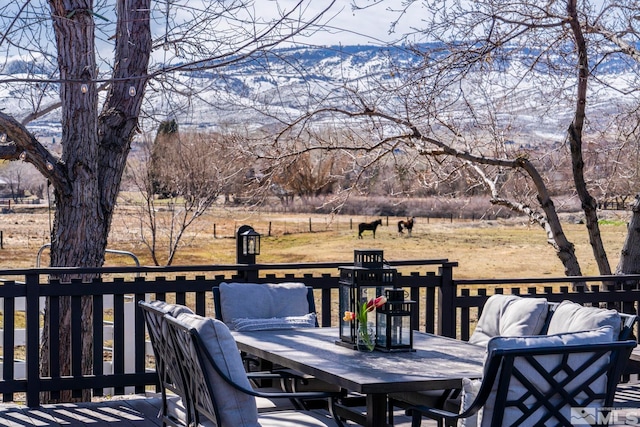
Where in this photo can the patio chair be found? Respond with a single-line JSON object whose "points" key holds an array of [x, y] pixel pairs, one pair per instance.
{"points": [[558, 380], [253, 306], [175, 411], [270, 306], [217, 383], [502, 315], [512, 316]]}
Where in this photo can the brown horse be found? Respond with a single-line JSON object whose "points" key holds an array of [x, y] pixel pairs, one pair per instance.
{"points": [[408, 225], [368, 226]]}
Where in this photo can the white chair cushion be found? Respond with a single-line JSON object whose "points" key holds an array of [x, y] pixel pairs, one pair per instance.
{"points": [[604, 334], [470, 389], [236, 408], [289, 322], [262, 300], [510, 316], [176, 409], [573, 317]]}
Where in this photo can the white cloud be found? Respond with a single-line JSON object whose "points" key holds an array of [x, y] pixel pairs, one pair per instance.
{"points": [[343, 24]]}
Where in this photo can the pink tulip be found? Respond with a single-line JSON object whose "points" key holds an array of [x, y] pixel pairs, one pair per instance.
{"points": [[380, 301]]}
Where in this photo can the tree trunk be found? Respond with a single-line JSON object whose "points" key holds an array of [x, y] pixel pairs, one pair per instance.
{"points": [[575, 142], [630, 254], [76, 239], [564, 248], [94, 155]]}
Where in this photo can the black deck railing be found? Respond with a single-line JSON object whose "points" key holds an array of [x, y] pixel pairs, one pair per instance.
{"points": [[445, 306]]}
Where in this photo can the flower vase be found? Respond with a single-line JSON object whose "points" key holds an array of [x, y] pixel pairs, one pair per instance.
{"points": [[366, 340]]}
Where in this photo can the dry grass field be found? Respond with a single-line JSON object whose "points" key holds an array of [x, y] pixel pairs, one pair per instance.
{"points": [[483, 249]]}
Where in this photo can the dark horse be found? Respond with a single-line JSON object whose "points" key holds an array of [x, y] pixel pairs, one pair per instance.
{"points": [[368, 226], [408, 225]]}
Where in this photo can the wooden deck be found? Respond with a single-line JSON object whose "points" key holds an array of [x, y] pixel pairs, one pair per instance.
{"points": [[123, 412], [138, 410]]}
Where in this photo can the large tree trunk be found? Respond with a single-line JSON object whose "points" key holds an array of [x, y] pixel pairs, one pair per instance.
{"points": [[95, 152], [77, 238]]}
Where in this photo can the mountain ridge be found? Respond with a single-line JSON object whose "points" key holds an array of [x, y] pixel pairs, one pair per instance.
{"points": [[282, 79]]}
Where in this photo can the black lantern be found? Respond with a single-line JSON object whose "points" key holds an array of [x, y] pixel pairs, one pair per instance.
{"points": [[247, 245], [394, 323], [358, 284]]}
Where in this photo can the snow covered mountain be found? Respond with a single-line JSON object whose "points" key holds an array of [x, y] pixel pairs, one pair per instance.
{"points": [[283, 81]]}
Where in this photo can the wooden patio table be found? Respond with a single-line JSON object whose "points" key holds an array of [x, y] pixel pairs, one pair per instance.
{"points": [[438, 363]]}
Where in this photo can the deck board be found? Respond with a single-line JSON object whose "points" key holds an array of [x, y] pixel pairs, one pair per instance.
{"points": [[142, 411], [138, 411]]}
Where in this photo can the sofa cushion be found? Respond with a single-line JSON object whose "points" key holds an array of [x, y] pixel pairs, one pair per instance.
{"points": [[516, 389], [572, 317], [236, 408], [262, 300], [288, 322], [510, 316]]}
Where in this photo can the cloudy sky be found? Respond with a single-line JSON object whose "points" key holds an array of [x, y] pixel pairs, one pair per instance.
{"points": [[368, 24]]}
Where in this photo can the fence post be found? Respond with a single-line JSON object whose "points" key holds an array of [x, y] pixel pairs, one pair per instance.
{"points": [[446, 301], [32, 326]]}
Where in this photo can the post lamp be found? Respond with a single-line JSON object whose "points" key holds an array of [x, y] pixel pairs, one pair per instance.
{"points": [[358, 284], [247, 245], [394, 323]]}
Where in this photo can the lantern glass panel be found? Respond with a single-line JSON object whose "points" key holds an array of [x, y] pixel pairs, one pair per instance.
{"points": [[381, 329], [400, 331], [345, 301], [251, 244]]}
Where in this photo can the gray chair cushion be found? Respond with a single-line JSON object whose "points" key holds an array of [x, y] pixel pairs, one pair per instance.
{"points": [[573, 317], [510, 316], [288, 322], [236, 408], [173, 309], [262, 300], [601, 335]]}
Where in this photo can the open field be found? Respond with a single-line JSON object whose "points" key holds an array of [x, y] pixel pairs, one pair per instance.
{"points": [[484, 249]]}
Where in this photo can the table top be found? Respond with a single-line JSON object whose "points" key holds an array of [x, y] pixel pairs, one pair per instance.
{"points": [[438, 362]]}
